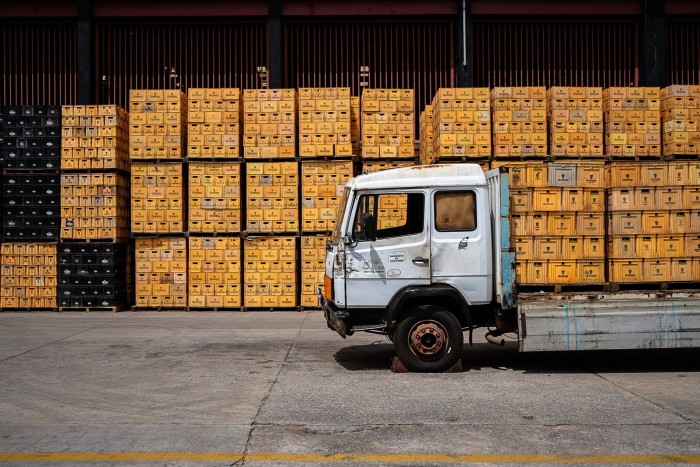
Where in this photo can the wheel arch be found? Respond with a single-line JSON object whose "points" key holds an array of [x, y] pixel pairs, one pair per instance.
{"points": [[442, 295]]}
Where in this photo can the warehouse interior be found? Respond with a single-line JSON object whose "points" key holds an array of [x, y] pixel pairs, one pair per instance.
{"points": [[386, 79]]}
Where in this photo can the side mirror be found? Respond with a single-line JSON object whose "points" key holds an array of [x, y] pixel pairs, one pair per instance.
{"points": [[369, 226]]}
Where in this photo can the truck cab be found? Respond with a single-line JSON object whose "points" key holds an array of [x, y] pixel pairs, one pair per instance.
{"points": [[412, 257], [422, 254]]}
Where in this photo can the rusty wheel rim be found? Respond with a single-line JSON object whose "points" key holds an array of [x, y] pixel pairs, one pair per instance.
{"points": [[427, 339]]}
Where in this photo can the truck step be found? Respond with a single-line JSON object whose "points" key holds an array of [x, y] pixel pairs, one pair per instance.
{"points": [[368, 327]]}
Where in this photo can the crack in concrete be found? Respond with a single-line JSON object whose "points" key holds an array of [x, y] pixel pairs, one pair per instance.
{"points": [[646, 399], [64, 338], [376, 426], [333, 430], [264, 400]]}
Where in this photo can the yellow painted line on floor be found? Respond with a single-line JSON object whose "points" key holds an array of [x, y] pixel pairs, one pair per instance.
{"points": [[419, 458]]}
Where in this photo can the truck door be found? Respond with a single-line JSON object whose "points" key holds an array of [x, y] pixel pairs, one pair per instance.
{"points": [[400, 256], [461, 242]]}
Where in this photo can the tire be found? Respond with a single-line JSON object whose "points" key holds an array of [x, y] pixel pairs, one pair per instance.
{"points": [[428, 339]]}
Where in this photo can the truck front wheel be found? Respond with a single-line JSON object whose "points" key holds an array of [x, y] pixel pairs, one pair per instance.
{"points": [[429, 339]]}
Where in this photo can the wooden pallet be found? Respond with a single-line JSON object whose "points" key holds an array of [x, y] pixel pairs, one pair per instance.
{"points": [[214, 159], [454, 159], [681, 157], [158, 308], [634, 158], [276, 308], [28, 309], [216, 309], [651, 286], [577, 158], [563, 288], [351, 158], [95, 240], [93, 309]]}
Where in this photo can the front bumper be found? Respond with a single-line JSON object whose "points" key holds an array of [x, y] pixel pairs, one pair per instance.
{"points": [[336, 319]]}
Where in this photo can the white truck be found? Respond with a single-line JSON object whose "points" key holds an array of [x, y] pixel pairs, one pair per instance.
{"points": [[421, 254]]}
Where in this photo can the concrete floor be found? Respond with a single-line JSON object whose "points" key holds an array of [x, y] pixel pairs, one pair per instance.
{"points": [[282, 389]]}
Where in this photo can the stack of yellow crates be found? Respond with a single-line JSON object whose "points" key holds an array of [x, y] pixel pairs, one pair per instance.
{"points": [[322, 184], [214, 272], [270, 272], [558, 223], [355, 125], [157, 198], [324, 122], [214, 197], [269, 123], [29, 275], [392, 211], [632, 121], [272, 197], [519, 121], [157, 124], [321, 188], [388, 117], [575, 121], [313, 255], [161, 272], [654, 222], [94, 137], [426, 134], [214, 123], [462, 123], [95, 206], [680, 114]]}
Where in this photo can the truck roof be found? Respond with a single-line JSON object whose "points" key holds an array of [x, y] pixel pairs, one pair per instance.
{"points": [[421, 176]]}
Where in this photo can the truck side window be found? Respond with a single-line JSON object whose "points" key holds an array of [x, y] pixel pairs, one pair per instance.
{"points": [[455, 211], [396, 214]]}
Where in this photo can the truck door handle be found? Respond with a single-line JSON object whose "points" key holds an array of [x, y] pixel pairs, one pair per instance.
{"points": [[420, 260]]}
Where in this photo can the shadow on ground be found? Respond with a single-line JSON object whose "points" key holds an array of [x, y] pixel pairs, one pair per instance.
{"points": [[374, 356], [378, 355]]}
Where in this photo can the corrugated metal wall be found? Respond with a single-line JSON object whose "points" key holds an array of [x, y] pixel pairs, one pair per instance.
{"points": [[683, 43], [411, 54], [39, 59], [38, 63], [555, 53], [143, 56]]}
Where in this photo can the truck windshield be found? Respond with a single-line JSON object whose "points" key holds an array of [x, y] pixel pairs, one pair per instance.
{"points": [[335, 236]]}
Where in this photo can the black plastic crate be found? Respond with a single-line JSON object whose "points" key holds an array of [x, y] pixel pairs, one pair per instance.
{"points": [[11, 110], [92, 274], [31, 128], [31, 205]]}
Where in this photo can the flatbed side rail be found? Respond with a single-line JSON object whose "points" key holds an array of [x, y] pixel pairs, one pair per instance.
{"points": [[609, 321]]}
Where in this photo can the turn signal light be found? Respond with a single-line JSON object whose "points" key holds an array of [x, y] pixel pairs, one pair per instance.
{"points": [[328, 287]]}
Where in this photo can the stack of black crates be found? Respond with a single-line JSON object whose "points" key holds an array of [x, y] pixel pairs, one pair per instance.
{"points": [[31, 139], [30, 160], [92, 276]]}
